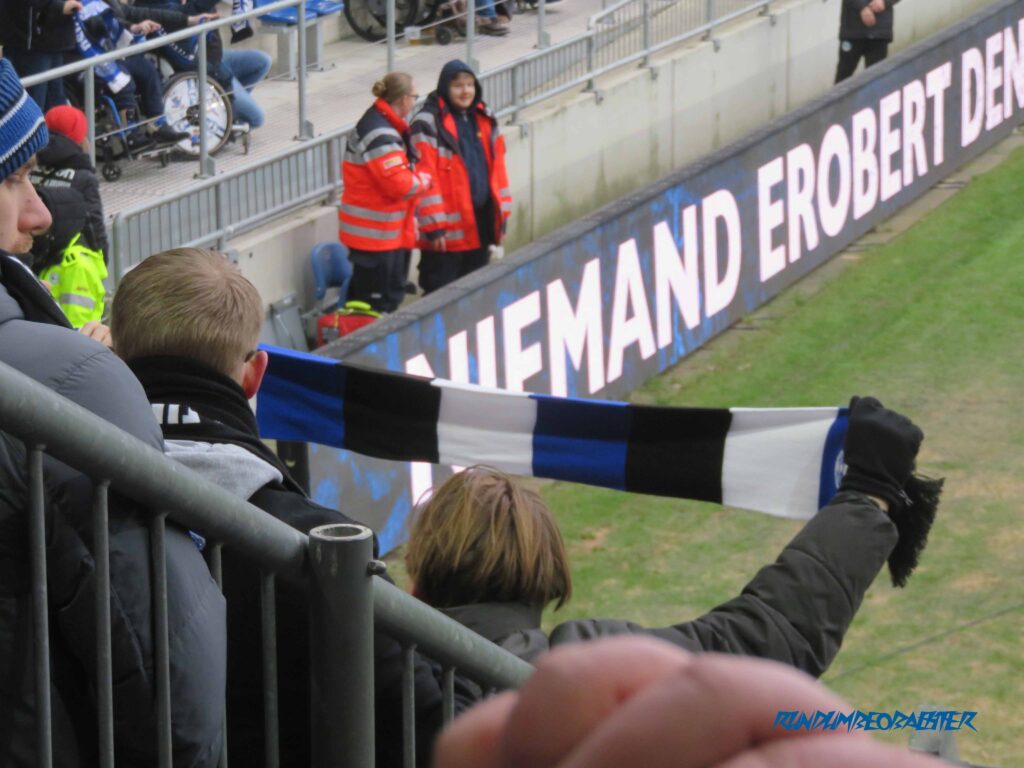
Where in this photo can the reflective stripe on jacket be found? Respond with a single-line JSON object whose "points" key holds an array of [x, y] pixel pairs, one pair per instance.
{"points": [[77, 283], [380, 186], [448, 208]]}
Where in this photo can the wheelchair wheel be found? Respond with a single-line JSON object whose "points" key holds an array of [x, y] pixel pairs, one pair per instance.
{"points": [[368, 18], [181, 107], [443, 35]]}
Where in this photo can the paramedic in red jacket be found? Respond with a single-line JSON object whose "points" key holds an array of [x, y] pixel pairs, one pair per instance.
{"points": [[459, 145], [376, 218]]}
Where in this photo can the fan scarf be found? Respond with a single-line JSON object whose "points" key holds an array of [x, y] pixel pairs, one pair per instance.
{"points": [[116, 37], [782, 461]]}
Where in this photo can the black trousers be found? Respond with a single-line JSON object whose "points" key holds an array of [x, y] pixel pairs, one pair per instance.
{"points": [[378, 278], [438, 268], [852, 51]]}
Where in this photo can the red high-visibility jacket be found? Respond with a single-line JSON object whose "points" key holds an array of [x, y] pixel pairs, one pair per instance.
{"points": [[377, 203], [448, 207]]}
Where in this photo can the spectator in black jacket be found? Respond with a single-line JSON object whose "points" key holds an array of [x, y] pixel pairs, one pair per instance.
{"points": [[36, 35], [36, 340], [865, 31], [188, 323], [489, 554], [64, 163]]}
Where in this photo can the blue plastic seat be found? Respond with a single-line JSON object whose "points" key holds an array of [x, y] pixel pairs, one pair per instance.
{"points": [[288, 16], [325, 7], [331, 267]]}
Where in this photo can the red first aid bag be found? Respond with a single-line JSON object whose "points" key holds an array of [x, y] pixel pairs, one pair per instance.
{"points": [[341, 322]]}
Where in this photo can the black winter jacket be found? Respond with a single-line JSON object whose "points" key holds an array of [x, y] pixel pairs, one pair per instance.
{"points": [[852, 28], [35, 340], [68, 210], [210, 428], [62, 163], [795, 610], [36, 25]]}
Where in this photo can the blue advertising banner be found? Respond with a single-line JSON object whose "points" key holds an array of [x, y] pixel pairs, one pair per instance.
{"points": [[607, 302]]}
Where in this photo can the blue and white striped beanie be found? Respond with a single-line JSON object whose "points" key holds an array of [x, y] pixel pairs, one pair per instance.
{"points": [[22, 127]]}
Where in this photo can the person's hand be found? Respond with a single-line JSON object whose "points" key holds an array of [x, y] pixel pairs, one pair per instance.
{"points": [[877, 6], [639, 701], [71, 6], [144, 28], [94, 329], [202, 18], [441, 244], [867, 16], [880, 449]]}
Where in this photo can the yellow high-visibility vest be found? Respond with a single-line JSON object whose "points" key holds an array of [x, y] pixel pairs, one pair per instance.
{"points": [[77, 283]]}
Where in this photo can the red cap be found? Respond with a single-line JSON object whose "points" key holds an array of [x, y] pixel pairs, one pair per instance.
{"points": [[68, 121]]}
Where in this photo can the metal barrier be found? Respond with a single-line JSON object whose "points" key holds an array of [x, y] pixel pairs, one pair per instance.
{"points": [[88, 67], [345, 595], [213, 211]]}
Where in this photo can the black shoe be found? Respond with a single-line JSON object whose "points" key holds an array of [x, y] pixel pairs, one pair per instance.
{"points": [[138, 140], [165, 134]]}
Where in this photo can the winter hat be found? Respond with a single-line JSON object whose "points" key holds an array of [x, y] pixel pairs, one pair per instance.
{"points": [[22, 127], [68, 121]]}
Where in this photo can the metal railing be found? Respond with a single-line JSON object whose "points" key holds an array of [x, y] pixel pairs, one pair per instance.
{"points": [[211, 212], [346, 598], [88, 67]]}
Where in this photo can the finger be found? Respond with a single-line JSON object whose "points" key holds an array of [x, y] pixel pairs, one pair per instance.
{"points": [[472, 740], [710, 710], [575, 688], [819, 750]]}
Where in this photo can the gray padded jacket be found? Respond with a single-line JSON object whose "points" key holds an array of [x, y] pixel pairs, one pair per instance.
{"points": [[89, 374]]}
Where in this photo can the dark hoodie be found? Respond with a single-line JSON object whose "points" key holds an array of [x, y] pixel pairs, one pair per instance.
{"points": [[62, 163], [68, 210], [471, 149]]}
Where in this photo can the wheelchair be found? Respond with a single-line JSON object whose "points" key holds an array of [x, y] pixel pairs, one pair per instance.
{"points": [[181, 109]]}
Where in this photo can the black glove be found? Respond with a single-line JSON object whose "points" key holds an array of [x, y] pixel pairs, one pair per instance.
{"points": [[880, 449], [881, 446]]}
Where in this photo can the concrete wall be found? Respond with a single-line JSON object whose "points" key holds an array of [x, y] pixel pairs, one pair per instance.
{"points": [[573, 156]]}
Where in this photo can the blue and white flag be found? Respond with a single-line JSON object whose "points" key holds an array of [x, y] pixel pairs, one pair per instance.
{"points": [[781, 461]]}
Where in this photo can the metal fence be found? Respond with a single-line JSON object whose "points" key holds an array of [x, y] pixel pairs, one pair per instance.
{"points": [[335, 561], [213, 211]]}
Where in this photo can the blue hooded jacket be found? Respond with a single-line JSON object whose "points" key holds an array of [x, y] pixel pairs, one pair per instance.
{"points": [[470, 147]]}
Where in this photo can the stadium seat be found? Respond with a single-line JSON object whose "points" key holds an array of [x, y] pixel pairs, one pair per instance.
{"points": [[284, 24], [331, 268], [283, 326]]}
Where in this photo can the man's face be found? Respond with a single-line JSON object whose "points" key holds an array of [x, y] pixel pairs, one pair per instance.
{"points": [[462, 90], [22, 213]]}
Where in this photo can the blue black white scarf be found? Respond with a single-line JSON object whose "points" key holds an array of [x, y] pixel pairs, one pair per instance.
{"points": [[116, 37], [781, 461]]}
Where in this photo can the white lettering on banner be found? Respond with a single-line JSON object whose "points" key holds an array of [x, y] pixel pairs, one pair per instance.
{"points": [[993, 81], [915, 154], [865, 162], [720, 205], [571, 331], [891, 181], [938, 81], [520, 362], [421, 474], [486, 356], [771, 214], [972, 88], [835, 147], [458, 358], [627, 330], [1013, 69], [676, 277], [800, 199]]}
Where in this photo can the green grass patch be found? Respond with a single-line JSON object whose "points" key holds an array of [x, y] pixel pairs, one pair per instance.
{"points": [[932, 324]]}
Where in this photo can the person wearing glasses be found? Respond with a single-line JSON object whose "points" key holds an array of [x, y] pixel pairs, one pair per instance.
{"points": [[381, 189]]}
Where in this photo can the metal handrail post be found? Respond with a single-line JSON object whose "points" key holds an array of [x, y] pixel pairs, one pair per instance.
{"points": [[205, 165], [543, 39], [305, 127], [341, 646], [333, 172], [471, 34], [709, 17], [514, 75], [389, 18], [90, 112], [647, 33]]}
